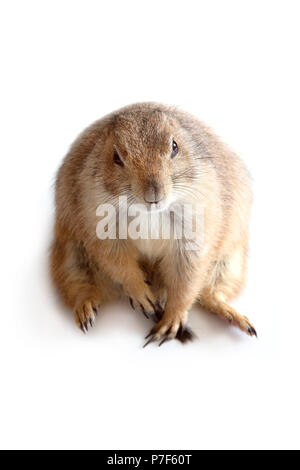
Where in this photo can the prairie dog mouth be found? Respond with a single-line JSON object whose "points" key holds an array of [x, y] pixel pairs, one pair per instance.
{"points": [[155, 207]]}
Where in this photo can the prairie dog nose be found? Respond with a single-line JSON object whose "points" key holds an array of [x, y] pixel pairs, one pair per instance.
{"points": [[154, 192]]}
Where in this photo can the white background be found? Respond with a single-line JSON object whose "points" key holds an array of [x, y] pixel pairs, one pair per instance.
{"points": [[235, 64]]}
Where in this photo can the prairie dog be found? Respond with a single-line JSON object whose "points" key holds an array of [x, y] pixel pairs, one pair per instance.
{"points": [[158, 156]]}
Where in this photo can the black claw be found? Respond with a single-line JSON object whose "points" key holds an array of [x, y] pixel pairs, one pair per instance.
{"points": [[85, 325], [131, 303], [149, 341], [152, 332], [91, 323], [155, 317], [143, 310], [158, 311], [168, 331], [82, 328], [252, 331], [158, 307], [150, 302], [148, 282], [95, 310], [163, 340], [179, 333]]}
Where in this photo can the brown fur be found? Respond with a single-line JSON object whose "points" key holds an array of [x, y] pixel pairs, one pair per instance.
{"points": [[89, 272]]}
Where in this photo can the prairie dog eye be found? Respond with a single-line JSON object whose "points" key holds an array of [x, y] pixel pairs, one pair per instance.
{"points": [[174, 149], [117, 159]]}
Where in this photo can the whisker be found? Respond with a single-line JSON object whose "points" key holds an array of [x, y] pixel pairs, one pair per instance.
{"points": [[204, 158], [188, 191]]}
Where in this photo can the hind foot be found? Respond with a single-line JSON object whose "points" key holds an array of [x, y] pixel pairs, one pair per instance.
{"points": [[169, 328], [225, 311]]}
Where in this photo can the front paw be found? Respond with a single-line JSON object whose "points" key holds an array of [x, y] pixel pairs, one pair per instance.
{"points": [[169, 328], [85, 314], [141, 298]]}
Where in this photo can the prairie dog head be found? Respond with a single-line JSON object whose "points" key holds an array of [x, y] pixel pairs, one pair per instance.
{"points": [[148, 157]]}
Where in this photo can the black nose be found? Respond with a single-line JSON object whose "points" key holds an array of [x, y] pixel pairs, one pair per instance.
{"points": [[151, 200], [154, 193]]}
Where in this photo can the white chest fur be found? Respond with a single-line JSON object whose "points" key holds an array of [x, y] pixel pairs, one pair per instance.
{"points": [[152, 249]]}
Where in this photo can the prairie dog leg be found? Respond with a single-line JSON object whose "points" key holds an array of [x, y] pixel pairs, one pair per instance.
{"points": [[73, 274], [225, 282], [121, 265], [172, 324], [182, 290], [156, 282], [216, 304]]}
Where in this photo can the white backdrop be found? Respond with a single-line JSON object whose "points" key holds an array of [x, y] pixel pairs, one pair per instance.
{"points": [[235, 64]]}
